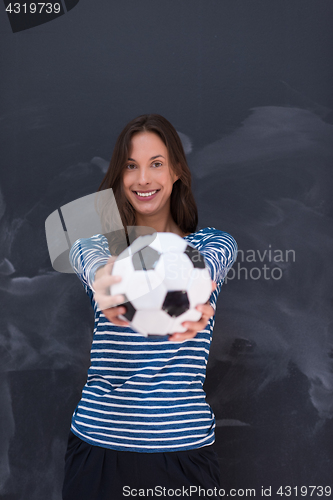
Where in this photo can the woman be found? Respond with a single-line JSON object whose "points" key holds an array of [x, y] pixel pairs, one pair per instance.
{"points": [[143, 423]]}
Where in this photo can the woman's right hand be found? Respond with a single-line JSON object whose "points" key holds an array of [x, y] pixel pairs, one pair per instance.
{"points": [[106, 302]]}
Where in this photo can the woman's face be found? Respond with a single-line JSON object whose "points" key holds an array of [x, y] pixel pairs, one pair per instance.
{"points": [[148, 177]]}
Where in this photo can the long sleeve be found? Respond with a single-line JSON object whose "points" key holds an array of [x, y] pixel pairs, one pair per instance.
{"points": [[220, 251], [86, 256]]}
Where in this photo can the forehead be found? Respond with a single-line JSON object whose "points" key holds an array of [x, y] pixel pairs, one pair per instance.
{"points": [[147, 142]]}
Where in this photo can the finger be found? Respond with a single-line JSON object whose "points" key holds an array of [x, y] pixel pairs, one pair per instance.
{"points": [[112, 315], [108, 301], [206, 308], [106, 281], [180, 336], [214, 286], [193, 327], [197, 325], [120, 322]]}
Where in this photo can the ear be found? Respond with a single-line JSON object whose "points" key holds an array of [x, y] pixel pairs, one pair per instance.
{"points": [[175, 177]]}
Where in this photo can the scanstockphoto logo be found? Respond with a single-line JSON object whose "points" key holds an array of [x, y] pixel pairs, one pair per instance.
{"points": [[267, 264], [25, 15]]}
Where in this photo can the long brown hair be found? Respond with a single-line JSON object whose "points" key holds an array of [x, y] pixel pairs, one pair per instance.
{"points": [[182, 204]]}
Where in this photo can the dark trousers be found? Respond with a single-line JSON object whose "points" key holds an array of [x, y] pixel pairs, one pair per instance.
{"points": [[96, 473]]}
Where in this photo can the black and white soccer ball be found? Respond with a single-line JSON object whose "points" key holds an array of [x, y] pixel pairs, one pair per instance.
{"points": [[163, 280]]}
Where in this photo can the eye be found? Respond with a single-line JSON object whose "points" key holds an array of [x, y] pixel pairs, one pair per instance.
{"points": [[130, 166], [156, 164]]}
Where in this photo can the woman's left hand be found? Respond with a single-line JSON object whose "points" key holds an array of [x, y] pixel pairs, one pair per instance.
{"points": [[193, 327]]}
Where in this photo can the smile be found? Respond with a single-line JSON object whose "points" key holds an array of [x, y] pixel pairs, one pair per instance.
{"points": [[145, 194]]}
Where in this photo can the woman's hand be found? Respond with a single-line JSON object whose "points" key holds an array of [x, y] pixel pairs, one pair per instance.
{"points": [[106, 302], [109, 304], [193, 327]]}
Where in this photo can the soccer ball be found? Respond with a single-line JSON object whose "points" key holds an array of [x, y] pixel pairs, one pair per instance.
{"points": [[163, 280]]}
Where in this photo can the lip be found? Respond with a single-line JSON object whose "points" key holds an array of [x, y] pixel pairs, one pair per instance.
{"points": [[146, 198]]}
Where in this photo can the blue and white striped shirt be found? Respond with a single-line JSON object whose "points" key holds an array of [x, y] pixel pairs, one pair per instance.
{"points": [[146, 395]]}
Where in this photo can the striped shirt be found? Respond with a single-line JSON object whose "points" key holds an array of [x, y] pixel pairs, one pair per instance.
{"points": [[146, 395]]}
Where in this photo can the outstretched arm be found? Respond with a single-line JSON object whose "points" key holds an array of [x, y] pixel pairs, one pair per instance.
{"points": [[106, 302]]}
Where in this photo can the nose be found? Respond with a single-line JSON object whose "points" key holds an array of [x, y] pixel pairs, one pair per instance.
{"points": [[144, 176]]}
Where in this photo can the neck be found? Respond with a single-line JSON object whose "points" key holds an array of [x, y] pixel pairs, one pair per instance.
{"points": [[159, 224], [165, 226]]}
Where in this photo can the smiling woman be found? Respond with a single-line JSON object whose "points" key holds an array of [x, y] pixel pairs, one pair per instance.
{"points": [[148, 183], [143, 141], [143, 420]]}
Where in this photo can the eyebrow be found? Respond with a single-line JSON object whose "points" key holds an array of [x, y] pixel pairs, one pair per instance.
{"points": [[152, 158]]}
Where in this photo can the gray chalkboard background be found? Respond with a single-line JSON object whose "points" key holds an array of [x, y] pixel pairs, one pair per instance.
{"points": [[248, 84]]}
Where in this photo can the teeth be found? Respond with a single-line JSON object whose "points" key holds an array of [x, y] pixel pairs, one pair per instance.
{"points": [[146, 194]]}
